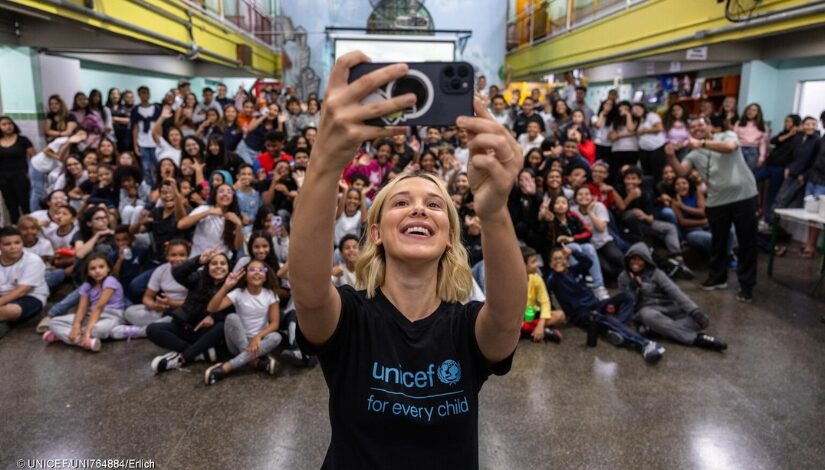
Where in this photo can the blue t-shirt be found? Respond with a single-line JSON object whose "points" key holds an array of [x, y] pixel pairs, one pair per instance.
{"points": [[249, 203]]}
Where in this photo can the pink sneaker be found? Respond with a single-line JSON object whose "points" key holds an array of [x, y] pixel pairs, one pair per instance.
{"points": [[49, 337], [93, 345]]}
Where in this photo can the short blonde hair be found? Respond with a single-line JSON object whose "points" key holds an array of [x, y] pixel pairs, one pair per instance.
{"points": [[455, 282]]}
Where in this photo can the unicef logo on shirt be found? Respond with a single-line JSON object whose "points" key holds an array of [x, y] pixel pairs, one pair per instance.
{"points": [[449, 372]]}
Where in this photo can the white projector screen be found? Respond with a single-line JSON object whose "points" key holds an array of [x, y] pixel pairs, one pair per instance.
{"points": [[384, 48]]}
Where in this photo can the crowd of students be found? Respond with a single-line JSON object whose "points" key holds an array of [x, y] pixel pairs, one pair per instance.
{"points": [[170, 220]]}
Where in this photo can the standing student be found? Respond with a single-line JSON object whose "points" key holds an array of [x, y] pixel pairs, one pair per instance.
{"points": [[58, 123], [625, 145], [350, 215], [23, 290], [99, 312], [142, 119], [251, 332], [652, 141], [753, 136], [15, 151], [415, 272], [48, 160], [731, 201]]}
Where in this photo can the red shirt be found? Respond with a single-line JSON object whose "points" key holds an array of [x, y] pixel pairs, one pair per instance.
{"points": [[267, 162]]}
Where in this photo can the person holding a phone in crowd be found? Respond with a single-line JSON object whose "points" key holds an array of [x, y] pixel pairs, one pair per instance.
{"points": [[403, 359]]}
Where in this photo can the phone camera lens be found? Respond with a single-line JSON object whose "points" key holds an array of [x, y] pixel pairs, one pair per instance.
{"points": [[463, 71], [449, 72], [410, 84], [455, 84]]}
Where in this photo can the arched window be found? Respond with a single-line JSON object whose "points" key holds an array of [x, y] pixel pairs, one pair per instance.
{"points": [[400, 17]]}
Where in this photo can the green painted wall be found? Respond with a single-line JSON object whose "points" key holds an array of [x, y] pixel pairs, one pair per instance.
{"points": [[17, 81]]}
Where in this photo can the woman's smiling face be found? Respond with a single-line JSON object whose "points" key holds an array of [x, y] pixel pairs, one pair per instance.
{"points": [[415, 224]]}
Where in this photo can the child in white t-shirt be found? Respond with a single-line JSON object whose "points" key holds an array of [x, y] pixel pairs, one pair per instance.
{"points": [[40, 246], [252, 331], [23, 291], [344, 273]]}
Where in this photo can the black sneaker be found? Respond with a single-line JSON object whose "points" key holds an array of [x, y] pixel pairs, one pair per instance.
{"points": [[214, 374], [685, 272], [168, 361], [713, 285], [553, 335], [614, 338], [706, 341], [744, 296]]}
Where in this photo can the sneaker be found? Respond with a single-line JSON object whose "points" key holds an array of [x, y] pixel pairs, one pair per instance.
{"points": [[168, 361], [4, 328], [652, 352], [706, 341], [713, 285], [685, 272], [292, 356], [49, 337], [553, 335], [271, 365], [614, 338], [601, 293], [296, 358], [214, 374], [744, 296], [128, 332], [43, 326], [93, 345]]}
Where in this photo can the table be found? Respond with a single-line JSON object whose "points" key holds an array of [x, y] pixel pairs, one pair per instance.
{"points": [[801, 216]]}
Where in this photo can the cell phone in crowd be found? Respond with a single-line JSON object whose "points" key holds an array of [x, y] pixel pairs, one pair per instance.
{"points": [[443, 91], [277, 223]]}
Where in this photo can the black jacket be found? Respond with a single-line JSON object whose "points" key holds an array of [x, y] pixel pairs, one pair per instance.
{"points": [[803, 155], [201, 290]]}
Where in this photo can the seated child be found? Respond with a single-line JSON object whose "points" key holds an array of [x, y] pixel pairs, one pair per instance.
{"points": [[193, 332], [344, 273], [23, 290], [162, 294], [638, 222], [104, 191], [661, 306], [249, 199], [99, 312], [252, 331], [579, 304], [538, 301], [40, 246]]}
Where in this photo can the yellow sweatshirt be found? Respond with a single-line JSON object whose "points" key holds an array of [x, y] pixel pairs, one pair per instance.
{"points": [[537, 295]]}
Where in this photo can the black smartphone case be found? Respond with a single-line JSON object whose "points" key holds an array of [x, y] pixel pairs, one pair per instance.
{"points": [[446, 105]]}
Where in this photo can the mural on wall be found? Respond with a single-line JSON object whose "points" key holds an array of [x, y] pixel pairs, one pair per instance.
{"points": [[309, 55]]}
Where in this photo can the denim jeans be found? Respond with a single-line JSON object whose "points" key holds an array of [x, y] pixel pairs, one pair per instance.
{"points": [[751, 155], [38, 192], [66, 305], [247, 154], [148, 162], [136, 288], [595, 268], [55, 278], [775, 175]]}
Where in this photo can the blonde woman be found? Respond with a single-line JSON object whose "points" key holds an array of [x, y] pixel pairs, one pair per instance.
{"points": [[403, 359]]}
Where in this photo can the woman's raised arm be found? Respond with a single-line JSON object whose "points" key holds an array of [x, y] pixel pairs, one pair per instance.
{"points": [[340, 132], [495, 161]]}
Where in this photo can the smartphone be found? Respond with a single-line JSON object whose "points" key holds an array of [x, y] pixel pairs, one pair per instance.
{"points": [[276, 221], [443, 91]]}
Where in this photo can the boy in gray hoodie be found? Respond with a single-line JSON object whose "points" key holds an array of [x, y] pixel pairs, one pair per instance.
{"points": [[661, 306]]}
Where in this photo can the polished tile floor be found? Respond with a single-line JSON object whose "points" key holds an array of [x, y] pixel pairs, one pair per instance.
{"points": [[761, 405]]}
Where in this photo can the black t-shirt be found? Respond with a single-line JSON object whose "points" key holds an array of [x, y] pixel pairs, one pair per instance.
{"points": [[163, 231], [520, 126], [643, 202], [403, 394], [14, 159]]}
